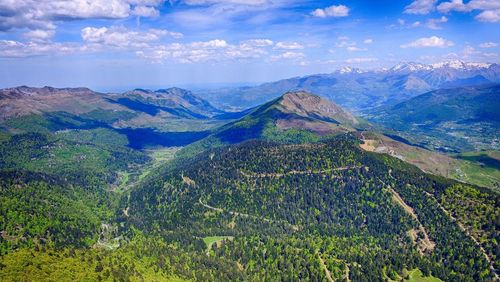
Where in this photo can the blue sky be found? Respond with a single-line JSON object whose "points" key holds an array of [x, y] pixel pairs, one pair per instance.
{"points": [[114, 45]]}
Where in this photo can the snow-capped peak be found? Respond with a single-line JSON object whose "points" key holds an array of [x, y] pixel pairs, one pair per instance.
{"points": [[410, 66], [459, 65], [349, 70]]}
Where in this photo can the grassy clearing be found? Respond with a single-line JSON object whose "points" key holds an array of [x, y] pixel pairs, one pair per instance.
{"points": [[210, 240], [475, 173], [158, 157], [416, 275]]}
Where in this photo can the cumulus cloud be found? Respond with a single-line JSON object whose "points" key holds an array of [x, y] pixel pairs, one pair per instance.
{"points": [[123, 38], [490, 9], [39, 35], [432, 41], [492, 16], [332, 11], [35, 14], [289, 46], [488, 45], [420, 7], [368, 41]]}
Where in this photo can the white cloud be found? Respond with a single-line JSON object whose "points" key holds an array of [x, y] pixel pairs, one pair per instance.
{"points": [[16, 49], [434, 23], [454, 5], [420, 7], [354, 48], [288, 56], [237, 2], [360, 60], [258, 42], [123, 38], [39, 35], [431, 23], [344, 43], [35, 14], [205, 51], [432, 41], [289, 46], [488, 45], [368, 41], [492, 16], [144, 11], [332, 11], [490, 9], [460, 6]]}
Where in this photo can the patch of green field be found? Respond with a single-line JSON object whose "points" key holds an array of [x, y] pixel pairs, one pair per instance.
{"points": [[157, 156], [483, 158], [416, 275], [210, 240], [474, 173]]}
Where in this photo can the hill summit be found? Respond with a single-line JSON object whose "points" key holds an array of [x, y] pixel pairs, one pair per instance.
{"points": [[293, 113], [312, 106]]}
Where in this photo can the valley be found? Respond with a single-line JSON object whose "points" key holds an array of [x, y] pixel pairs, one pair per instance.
{"points": [[162, 186]]}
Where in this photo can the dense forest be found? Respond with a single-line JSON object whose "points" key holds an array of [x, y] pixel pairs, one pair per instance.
{"points": [[282, 206], [83, 200]]}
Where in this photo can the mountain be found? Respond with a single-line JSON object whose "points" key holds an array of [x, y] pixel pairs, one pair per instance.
{"points": [[291, 115], [296, 189], [317, 212], [456, 119], [168, 117], [175, 101], [359, 90], [24, 100]]}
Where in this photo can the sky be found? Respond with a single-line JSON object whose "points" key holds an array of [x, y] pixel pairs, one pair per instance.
{"points": [[114, 45]]}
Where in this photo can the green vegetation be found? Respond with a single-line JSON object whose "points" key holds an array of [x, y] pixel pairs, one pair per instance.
{"points": [[449, 120], [283, 194], [272, 133], [291, 202], [416, 275], [210, 240]]}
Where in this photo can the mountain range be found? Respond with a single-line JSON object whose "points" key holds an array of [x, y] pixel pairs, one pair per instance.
{"points": [[161, 185], [360, 90]]}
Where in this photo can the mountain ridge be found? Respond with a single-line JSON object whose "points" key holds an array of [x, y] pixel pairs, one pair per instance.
{"points": [[360, 90]]}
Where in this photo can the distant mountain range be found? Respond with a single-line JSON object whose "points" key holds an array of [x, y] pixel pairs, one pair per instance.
{"points": [[360, 90]]}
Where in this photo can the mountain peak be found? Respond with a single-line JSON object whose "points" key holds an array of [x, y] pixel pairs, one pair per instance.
{"points": [[307, 104], [458, 64]]}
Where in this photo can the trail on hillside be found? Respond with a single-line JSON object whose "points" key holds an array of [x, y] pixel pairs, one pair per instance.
{"points": [[295, 172], [293, 227], [462, 227]]}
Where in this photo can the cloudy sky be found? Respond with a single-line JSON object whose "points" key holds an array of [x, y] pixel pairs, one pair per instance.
{"points": [[118, 44]]}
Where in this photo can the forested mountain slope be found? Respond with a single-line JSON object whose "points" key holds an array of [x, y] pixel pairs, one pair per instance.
{"points": [[289, 211]]}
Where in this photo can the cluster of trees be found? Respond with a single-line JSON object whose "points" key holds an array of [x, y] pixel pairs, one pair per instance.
{"points": [[318, 192], [296, 212], [40, 210]]}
